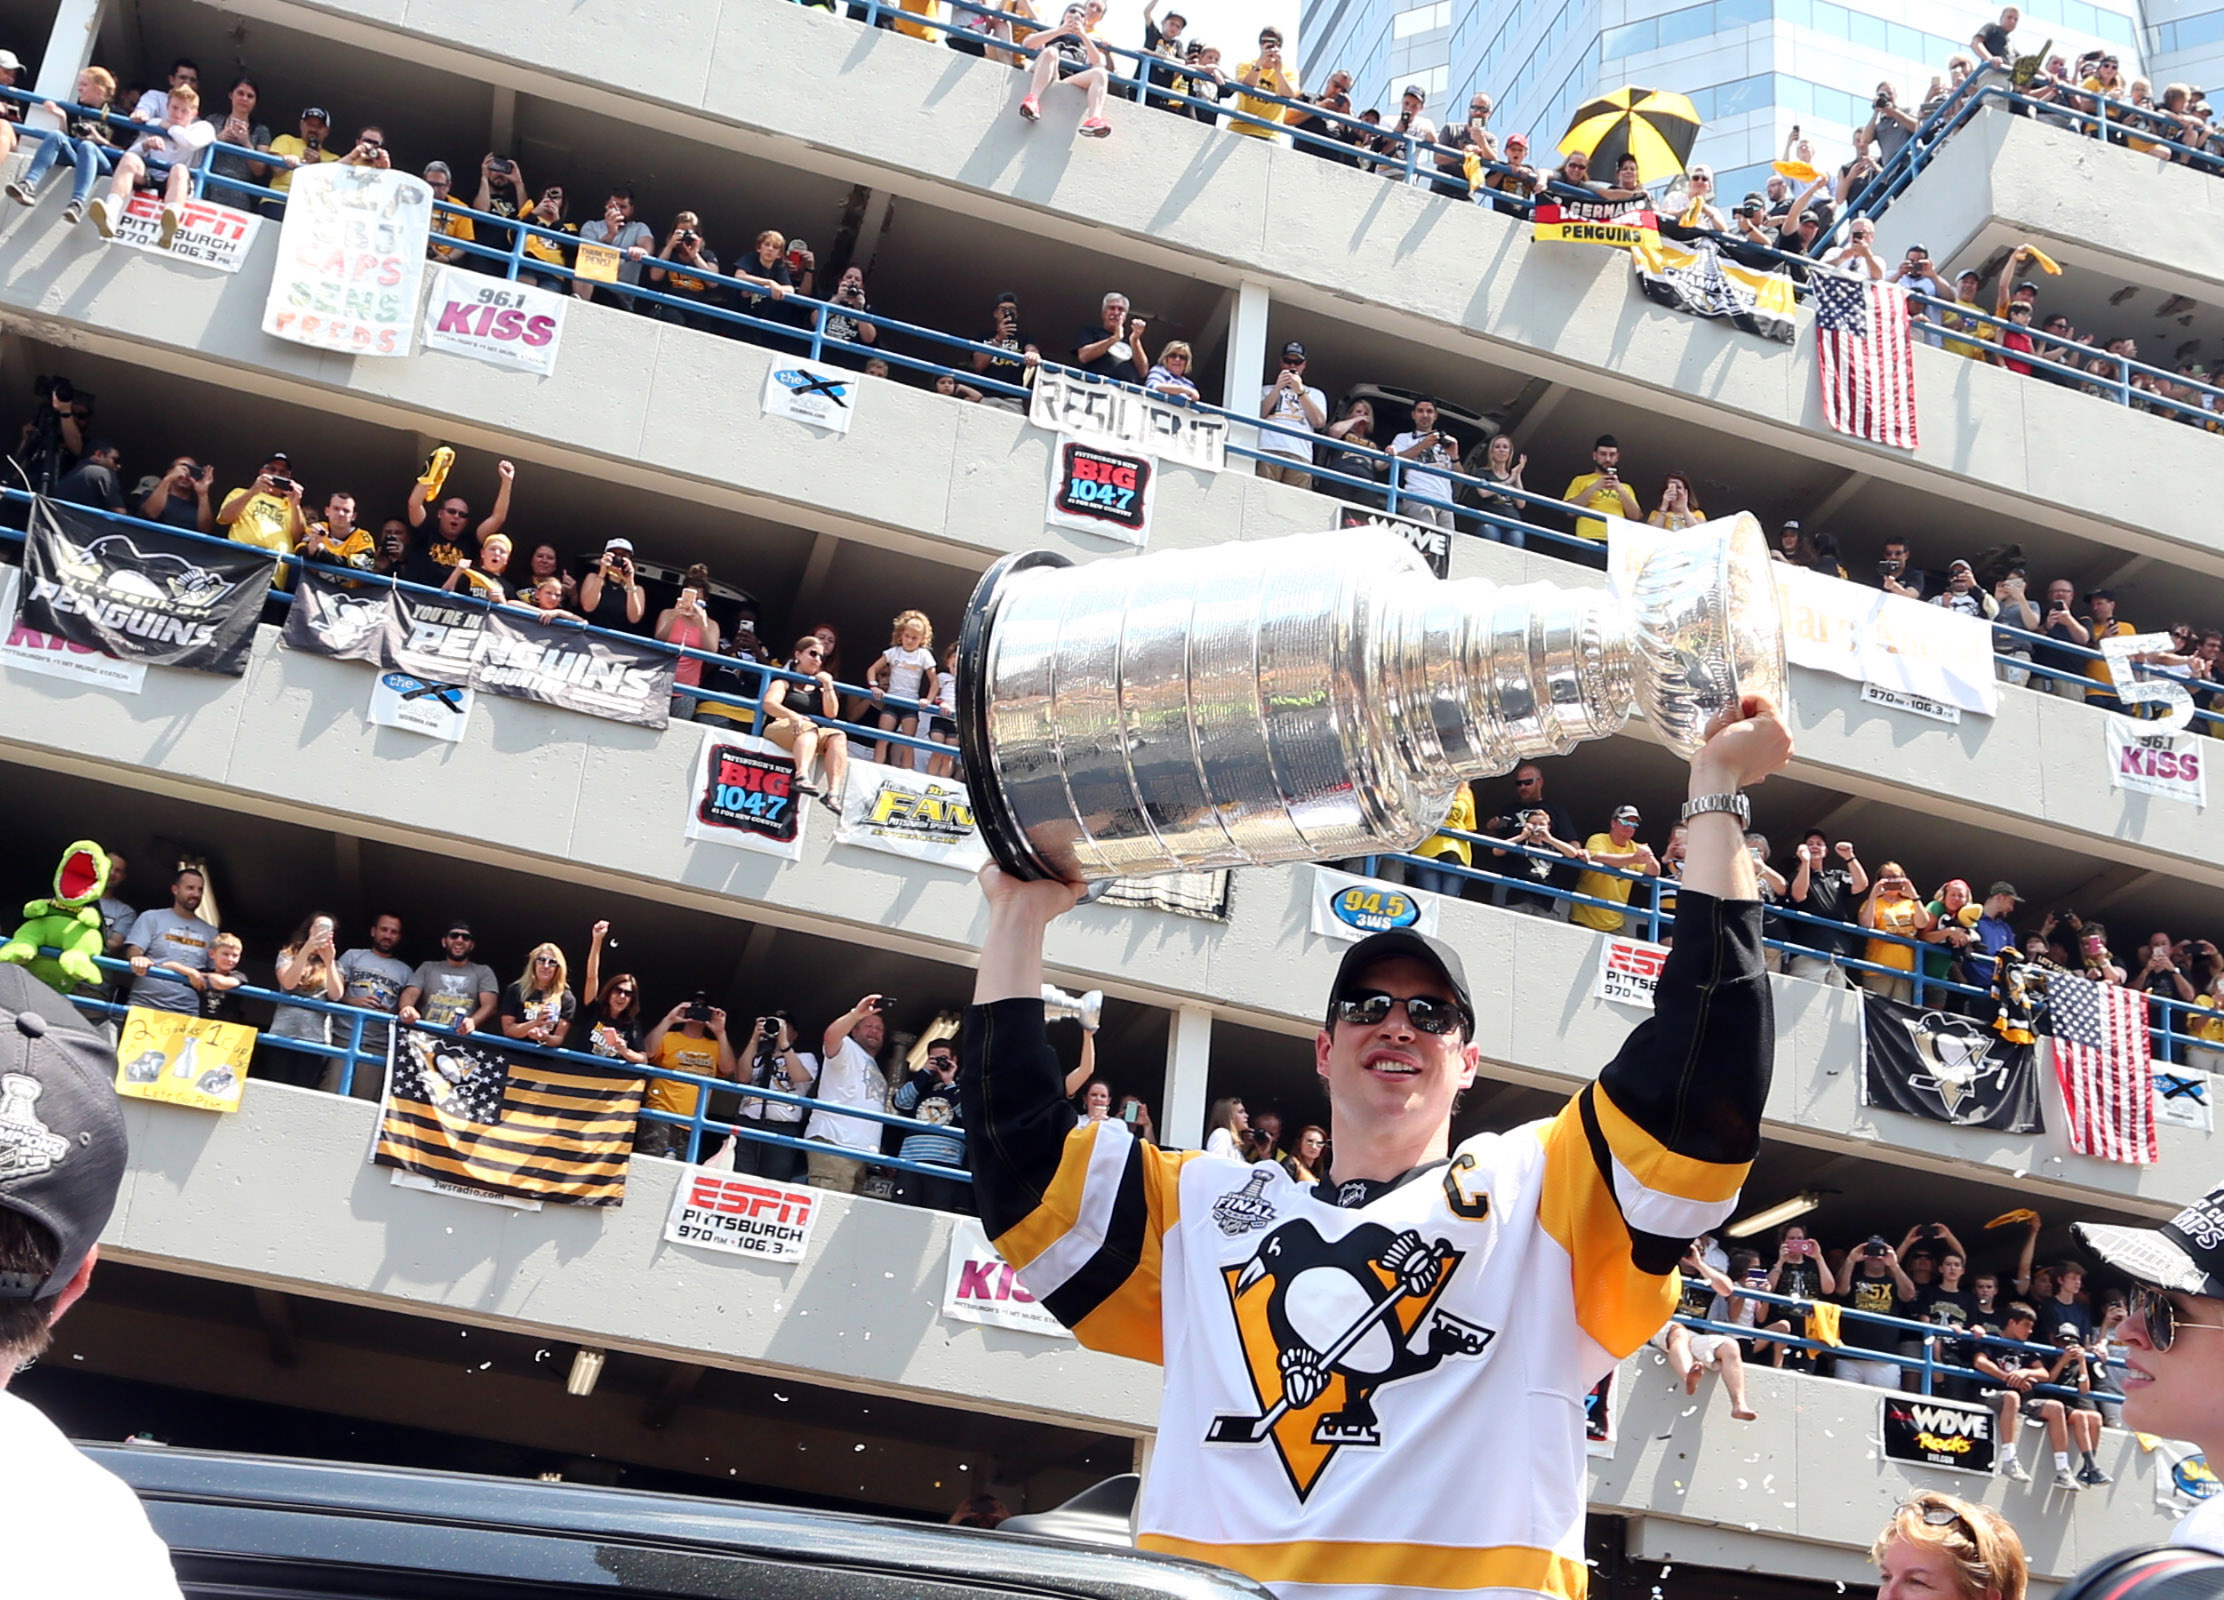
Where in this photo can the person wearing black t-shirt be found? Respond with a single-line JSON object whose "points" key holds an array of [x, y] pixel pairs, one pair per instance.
{"points": [[1874, 1283], [501, 194], [1801, 1272], [1513, 824], [180, 497], [614, 1024], [610, 596], [1991, 40], [2063, 1312], [1948, 1305], [94, 481], [1832, 889], [1014, 356], [1114, 347], [539, 1007]]}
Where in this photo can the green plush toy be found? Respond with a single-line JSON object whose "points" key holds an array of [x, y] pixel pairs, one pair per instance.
{"points": [[70, 922]]}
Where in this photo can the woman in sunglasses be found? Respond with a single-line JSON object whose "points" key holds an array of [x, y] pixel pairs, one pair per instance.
{"points": [[1421, 1295], [2173, 1381], [1939, 1548]]}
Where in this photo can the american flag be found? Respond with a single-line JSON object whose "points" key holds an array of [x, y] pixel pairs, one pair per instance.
{"points": [[2102, 1061], [1868, 369]]}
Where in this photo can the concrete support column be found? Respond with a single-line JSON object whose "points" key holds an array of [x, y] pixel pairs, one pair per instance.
{"points": [[69, 51], [1246, 357], [1181, 1120]]}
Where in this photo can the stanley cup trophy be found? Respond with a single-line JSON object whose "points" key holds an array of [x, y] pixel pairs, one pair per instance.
{"points": [[1321, 696]]}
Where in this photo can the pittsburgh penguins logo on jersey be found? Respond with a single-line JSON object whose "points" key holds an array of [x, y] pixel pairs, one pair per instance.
{"points": [[1326, 1323]]}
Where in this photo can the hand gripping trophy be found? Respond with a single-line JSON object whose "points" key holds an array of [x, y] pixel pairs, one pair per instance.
{"points": [[1321, 696]]}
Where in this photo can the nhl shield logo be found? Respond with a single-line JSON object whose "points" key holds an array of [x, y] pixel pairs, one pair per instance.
{"points": [[1325, 1324]]}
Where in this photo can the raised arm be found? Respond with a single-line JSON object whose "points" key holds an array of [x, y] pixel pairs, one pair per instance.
{"points": [[1658, 1147], [1028, 1154]]}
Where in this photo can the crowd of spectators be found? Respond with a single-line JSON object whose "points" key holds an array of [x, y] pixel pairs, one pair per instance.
{"points": [[1874, 930], [1928, 1277]]}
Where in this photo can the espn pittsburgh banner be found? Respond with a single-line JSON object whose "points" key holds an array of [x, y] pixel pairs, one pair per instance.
{"points": [[461, 1112], [484, 648], [140, 594], [1605, 222], [1945, 1068], [1694, 279]]}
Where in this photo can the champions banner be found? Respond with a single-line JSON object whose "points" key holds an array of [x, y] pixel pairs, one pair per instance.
{"points": [[351, 259], [743, 794], [140, 594], [1947, 1069], [460, 1112], [909, 814], [1695, 280], [1607, 222], [1118, 418], [182, 1060], [442, 643]]}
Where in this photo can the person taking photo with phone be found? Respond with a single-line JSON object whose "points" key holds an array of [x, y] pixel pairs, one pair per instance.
{"points": [[611, 596], [689, 1038]]}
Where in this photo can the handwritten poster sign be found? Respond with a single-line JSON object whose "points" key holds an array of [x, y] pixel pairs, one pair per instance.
{"points": [[351, 260]]}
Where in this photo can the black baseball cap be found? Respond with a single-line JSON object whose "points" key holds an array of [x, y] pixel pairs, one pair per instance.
{"points": [[1380, 947], [277, 455], [1294, 348], [315, 114], [458, 926], [2185, 1254], [2102, 594], [62, 1142]]}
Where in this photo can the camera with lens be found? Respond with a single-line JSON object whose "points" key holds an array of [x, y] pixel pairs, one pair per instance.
{"points": [[698, 1008], [1889, 569], [885, 1003], [689, 236], [284, 485], [502, 164], [57, 388], [1883, 101], [1876, 1245]]}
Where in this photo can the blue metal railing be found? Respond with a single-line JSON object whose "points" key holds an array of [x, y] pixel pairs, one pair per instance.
{"points": [[351, 1056], [1931, 1335], [2175, 1019]]}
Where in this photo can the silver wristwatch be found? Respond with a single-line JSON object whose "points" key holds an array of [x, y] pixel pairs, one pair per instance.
{"points": [[1732, 802]]}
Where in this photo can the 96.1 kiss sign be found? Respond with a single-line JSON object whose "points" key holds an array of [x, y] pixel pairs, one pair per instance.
{"points": [[1101, 491], [505, 324]]}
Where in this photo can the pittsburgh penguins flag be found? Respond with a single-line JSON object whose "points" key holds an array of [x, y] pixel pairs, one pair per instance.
{"points": [[524, 1126], [141, 594], [1924, 1063], [1694, 279]]}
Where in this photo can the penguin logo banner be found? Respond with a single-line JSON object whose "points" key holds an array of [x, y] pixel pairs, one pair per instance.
{"points": [[1324, 1325], [1946, 1068]]}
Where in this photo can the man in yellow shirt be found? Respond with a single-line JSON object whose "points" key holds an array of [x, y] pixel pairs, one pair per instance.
{"points": [[1617, 847], [447, 224], [1443, 847], [267, 513], [2104, 624], [691, 1038], [303, 150], [1603, 491], [1269, 76]]}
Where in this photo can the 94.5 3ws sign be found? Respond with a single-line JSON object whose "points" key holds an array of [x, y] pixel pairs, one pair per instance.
{"points": [[1345, 907]]}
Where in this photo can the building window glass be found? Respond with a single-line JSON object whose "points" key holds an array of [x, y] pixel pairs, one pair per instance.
{"points": [[1421, 19]]}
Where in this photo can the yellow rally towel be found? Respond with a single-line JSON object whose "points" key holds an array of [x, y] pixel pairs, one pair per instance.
{"points": [[2044, 262], [436, 471], [1822, 1322], [2006, 1218], [1473, 168]]}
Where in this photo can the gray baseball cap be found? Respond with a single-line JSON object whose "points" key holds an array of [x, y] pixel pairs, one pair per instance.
{"points": [[62, 1143]]}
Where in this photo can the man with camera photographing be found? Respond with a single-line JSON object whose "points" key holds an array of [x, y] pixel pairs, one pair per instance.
{"points": [[690, 1038], [930, 1098], [1876, 1283], [1022, 355], [845, 326], [267, 513], [684, 245], [501, 193], [1896, 574], [1299, 410], [290, 151], [1602, 490], [369, 150], [611, 596], [850, 1076], [1540, 825], [617, 230], [180, 497], [1889, 127], [1268, 75], [775, 1063]]}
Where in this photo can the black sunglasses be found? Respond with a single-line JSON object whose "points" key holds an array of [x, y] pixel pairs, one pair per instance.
{"points": [[1426, 1014], [2160, 1313]]}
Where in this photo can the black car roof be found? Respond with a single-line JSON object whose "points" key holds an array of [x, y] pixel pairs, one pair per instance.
{"points": [[262, 1484]]}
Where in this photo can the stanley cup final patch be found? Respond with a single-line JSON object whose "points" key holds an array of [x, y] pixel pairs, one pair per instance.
{"points": [[28, 1147], [1244, 1210]]}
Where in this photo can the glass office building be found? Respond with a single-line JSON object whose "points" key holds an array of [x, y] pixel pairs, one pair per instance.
{"points": [[1756, 69]]}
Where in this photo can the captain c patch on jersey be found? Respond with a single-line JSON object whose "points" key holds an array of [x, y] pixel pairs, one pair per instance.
{"points": [[1325, 1324]]}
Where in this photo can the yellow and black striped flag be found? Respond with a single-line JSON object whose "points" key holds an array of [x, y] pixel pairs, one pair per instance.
{"points": [[463, 1112]]}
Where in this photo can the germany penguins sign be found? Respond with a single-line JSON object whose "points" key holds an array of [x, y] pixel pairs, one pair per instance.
{"points": [[1325, 1324]]}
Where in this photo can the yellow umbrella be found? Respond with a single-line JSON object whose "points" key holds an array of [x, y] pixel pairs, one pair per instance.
{"points": [[1655, 126]]}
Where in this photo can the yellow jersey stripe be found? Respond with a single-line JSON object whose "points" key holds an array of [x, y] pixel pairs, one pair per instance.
{"points": [[1131, 1320], [1616, 1302], [1659, 1168], [1389, 1566], [1060, 1208]]}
